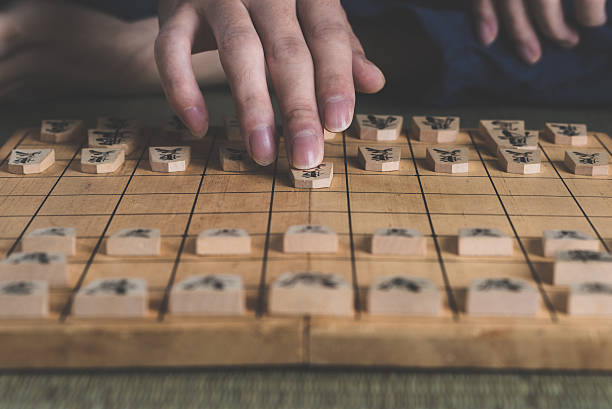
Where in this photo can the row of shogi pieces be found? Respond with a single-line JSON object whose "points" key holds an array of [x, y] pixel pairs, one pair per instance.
{"points": [[25, 276], [516, 148]]}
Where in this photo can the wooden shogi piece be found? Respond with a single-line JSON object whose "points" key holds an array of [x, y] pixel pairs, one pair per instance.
{"points": [[502, 297], [591, 298], [379, 158], [328, 136], [61, 130], [591, 162], [224, 241], [378, 127], [232, 129], [235, 159], [24, 299], [399, 241], [573, 266], [125, 139], [516, 140], [214, 294], [174, 129], [29, 161], [112, 122], [101, 160], [435, 129], [168, 159], [112, 297], [452, 159], [520, 161], [554, 241], [50, 239], [483, 241], [134, 242], [310, 238], [36, 265], [566, 134], [404, 295], [308, 293], [316, 178], [488, 127]]}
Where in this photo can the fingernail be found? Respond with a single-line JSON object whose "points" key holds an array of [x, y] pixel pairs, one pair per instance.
{"points": [[195, 121], [529, 53], [487, 34], [262, 145], [338, 113], [305, 150]]}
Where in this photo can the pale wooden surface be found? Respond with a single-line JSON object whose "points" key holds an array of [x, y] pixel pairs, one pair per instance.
{"points": [[263, 203]]}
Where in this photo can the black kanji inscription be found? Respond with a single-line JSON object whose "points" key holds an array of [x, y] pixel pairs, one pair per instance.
{"points": [[325, 280], [18, 288], [168, 154], [521, 157], [379, 155], [499, 284], [448, 156], [402, 283], [380, 123], [588, 158], [26, 157], [118, 287], [438, 123]]}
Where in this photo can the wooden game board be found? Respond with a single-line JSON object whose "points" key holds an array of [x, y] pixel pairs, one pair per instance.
{"points": [[264, 203]]}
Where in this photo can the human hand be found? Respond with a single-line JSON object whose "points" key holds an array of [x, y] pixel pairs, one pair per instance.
{"points": [[523, 20], [314, 60]]}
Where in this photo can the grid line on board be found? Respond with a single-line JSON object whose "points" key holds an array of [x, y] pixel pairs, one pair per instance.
{"points": [[351, 238], [536, 277], [452, 302], [26, 133], [46, 197], [163, 308], [603, 145], [586, 216], [261, 291], [66, 310]]}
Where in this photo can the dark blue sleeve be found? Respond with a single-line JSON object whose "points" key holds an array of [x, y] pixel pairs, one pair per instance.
{"points": [[580, 76]]}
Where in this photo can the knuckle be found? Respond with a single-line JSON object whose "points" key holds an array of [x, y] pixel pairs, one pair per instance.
{"points": [[300, 112], [288, 48], [237, 38], [324, 31]]}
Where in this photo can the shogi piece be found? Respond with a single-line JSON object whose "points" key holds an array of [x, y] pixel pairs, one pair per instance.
{"points": [[520, 161], [592, 162], [112, 297], [379, 127], [134, 242], [380, 159], [502, 296], [566, 134], [315, 178], [484, 241], [328, 136], [399, 241], [224, 241], [573, 266], [232, 129], [404, 295], [24, 299], [215, 294], [61, 130], [36, 265], [51, 239], [169, 158], [235, 159], [554, 241], [28, 161], [310, 238], [435, 129], [447, 160], [175, 129], [515, 140], [113, 122], [311, 294], [488, 127], [101, 160], [590, 298], [125, 139]]}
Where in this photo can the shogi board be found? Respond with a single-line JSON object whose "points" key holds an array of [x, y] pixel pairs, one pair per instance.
{"points": [[263, 202]]}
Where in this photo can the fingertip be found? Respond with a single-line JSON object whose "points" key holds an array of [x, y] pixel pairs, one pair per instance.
{"points": [[196, 120], [262, 145], [369, 79], [487, 32], [338, 113]]}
